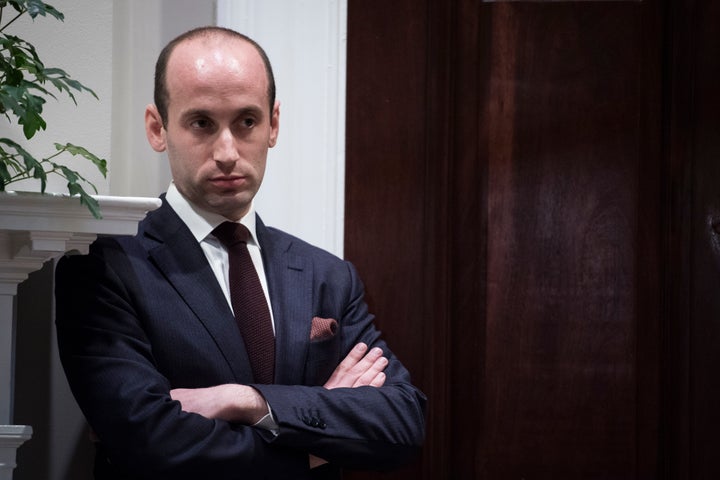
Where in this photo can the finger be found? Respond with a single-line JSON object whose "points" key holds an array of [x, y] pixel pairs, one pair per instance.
{"points": [[379, 380], [178, 394], [341, 376], [353, 358], [368, 375], [357, 370], [366, 369]]}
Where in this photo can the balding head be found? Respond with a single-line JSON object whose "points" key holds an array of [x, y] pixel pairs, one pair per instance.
{"points": [[162, 95]]}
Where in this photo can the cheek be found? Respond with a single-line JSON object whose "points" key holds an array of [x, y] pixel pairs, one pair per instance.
{"points": [[182, 165], [260, 164]]}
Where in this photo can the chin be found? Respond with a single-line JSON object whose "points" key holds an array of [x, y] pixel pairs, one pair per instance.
{"points": [[231, 208]]}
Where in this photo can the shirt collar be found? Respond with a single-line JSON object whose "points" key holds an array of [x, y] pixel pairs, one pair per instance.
{"points": [[201, 222]]}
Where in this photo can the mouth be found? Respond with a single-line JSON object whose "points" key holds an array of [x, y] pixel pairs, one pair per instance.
{"points": [[228, 181]]}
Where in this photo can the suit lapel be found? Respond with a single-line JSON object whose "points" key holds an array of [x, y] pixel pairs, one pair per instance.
{"points": [[289, 279], [177, 254]]}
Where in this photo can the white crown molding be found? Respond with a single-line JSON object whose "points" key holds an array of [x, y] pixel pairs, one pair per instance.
{"points": [[37, 227]]}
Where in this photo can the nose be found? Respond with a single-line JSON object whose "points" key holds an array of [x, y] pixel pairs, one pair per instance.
{"points": [[224, 149]]}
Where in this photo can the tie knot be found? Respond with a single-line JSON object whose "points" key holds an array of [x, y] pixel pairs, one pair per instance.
{"points": [[231, 233]]}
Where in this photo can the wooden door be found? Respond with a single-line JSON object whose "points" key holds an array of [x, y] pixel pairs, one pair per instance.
{"points": [[530, 193]]}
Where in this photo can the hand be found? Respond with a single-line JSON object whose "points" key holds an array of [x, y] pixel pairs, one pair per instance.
{"points": [[230, 402], [359, 369]]}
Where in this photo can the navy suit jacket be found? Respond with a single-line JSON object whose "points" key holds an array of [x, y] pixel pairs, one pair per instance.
{"points": [[139, 316]]}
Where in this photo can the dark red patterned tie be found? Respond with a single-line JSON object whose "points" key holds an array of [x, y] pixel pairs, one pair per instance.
{"points": [[248, 301]]}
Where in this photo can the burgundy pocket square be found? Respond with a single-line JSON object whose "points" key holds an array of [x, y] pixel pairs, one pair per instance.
{"points": [[322, 328]]}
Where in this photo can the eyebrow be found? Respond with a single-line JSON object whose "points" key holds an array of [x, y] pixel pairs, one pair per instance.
{"points": [[195, 112], [202, 112]]}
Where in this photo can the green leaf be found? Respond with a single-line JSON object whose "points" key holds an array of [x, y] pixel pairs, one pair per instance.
{"points": [[22, 97], [26, 107], [4, 176], [28, 159], [100, 163], [76, 189], [16, 5], [37, 7], [13, 77], [10, 164], [71, 175], [31, 167], [39, 173], [32, 122], [91, 203], [64, 83], [21, 53]]}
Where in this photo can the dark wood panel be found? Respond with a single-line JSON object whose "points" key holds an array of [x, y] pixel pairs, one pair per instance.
{"points": [[553, 185], [467, 242], [386, 238], [564, 123], [675, 432], [692, 332], [704, 358], [387, 118]]}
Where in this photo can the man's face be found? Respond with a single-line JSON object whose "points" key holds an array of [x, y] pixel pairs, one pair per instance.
{"points": [[219, 126]]}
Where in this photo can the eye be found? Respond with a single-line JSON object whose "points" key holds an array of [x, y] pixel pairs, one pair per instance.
{"points": [[248, 122], [201, 124]]}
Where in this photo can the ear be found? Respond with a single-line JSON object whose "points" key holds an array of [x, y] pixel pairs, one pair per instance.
{"points": [[274, 124], [154, 129]]}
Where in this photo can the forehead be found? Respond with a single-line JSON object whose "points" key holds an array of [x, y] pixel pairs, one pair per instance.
{"points": [[216, 63]]}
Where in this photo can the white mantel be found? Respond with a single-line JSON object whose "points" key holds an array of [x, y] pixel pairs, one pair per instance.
{"points": [[33, 229]]}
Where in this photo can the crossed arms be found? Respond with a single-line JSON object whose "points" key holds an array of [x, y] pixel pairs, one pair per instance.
{"points": [[245, 405]]}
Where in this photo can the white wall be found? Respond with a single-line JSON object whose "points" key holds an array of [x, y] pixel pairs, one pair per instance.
{"points": [[141, 28], [304, 187]]}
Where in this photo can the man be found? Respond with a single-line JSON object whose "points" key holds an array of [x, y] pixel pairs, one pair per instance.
{"points": [[147, 328]]}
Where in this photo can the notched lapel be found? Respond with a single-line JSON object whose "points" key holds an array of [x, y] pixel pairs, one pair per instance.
{"points": [[181, 260], [290, 283]]}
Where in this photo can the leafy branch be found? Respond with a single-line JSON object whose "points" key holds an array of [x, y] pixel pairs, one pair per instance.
{"points": [[23, 92]]}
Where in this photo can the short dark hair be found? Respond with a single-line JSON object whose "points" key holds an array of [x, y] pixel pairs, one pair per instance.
{"points": [[161, 95]]}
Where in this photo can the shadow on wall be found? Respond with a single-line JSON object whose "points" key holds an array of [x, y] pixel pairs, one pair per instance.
{"points": [[60, 447]]}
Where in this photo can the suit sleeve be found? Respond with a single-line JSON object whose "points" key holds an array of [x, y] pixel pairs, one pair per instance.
{"points": [[112, 372], [360, 428]]}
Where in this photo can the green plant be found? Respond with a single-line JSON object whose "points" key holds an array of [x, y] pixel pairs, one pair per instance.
{"points": [[23, 92]]}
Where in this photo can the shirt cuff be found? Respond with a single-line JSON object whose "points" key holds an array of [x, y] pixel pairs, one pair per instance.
{"points": [[268, 422]]}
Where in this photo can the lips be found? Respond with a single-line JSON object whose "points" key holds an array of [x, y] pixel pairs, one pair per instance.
{"points": [[228, 181]]}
